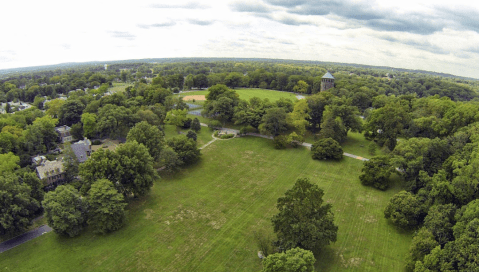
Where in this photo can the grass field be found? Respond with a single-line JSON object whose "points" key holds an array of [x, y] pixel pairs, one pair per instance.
{"points": [[204, 135], [246, 94], [118, 87], [203, 218]]}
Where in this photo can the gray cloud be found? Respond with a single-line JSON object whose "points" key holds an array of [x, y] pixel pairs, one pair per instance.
{"points": [[165, 24], [286, 3], [256, 7], [200, 22], [122, 35], [286, 20], [366, 14], [191, 5], [464, 19], [422, 45]]}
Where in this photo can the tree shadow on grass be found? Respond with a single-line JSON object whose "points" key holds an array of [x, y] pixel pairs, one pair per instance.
{"points": [[325, 259]]}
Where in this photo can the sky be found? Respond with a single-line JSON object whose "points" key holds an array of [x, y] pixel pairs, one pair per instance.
{"points": [[440, 36]]}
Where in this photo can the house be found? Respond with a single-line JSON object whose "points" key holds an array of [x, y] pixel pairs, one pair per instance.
{"points": [[82, 149], [38, 160], [50, 172], [64, 134]]}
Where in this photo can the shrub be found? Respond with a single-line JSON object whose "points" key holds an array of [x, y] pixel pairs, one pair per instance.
{"points": [[192, 135], [326, 149], [227, 136], [96, 142], [280, 142], [214, 124], [187, 123]]}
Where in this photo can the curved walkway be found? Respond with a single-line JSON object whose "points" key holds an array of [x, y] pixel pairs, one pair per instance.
{"points": [[308, 145]]}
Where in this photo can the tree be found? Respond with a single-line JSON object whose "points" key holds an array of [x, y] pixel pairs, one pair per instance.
{"points": [[8, 163], [301, 87], [70, 164], [422, 244], [36, 185], [16, 203], [169, 159], [89, 124], [105, 207], [70, 112], [186, 149], [200, 81], [386, 124], [130, 168], [326, 149], [303, 221], [274, 122], [77, 131], [293, 260], [191, 135], [65, 210], [114, 120], [195, 125], [41, 135], [176, 117], [148, 135], [188, 82], [53, 107], [233, 79], [376, 172], [405, 210]]}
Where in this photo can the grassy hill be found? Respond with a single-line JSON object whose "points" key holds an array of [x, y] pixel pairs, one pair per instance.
{"points": [[204, 218]]}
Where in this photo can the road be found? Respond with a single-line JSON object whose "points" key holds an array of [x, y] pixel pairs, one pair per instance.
{"points": [[24, 238]]}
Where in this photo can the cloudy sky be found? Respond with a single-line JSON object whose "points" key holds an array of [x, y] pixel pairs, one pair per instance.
{"points": [[441, 36]]}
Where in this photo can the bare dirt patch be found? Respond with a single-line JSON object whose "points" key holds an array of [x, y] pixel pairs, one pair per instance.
{"points": [[195, 97]]}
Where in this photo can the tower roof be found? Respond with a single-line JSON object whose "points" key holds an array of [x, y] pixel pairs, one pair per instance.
{"points": [[328, 75]]}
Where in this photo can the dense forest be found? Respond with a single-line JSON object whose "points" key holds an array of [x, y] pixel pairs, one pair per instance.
{"points": [[426, 124]]}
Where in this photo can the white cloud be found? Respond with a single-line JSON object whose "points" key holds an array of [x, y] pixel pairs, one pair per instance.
{"points": [[429, 35]]}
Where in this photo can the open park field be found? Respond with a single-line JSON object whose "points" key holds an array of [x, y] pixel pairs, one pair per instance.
{"points": [[249, 93], [204, 218]]}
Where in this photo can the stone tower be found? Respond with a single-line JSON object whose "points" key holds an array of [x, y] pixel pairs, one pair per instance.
{"points": [[327, 82]]}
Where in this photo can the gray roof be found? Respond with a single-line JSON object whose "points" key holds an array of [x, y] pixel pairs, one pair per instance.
{"points": [[80, 150], [328, 75]]}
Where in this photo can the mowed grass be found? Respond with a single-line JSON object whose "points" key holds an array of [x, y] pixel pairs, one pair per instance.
{"points": [[246, 94], [204, 135], [204, 218], [118, 87]]}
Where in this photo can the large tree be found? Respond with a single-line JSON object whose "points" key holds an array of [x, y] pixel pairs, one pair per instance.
{"points": [[65, 210], [376, 172], [105, 207], [129, 167], [17, 206], [303, 221], [326, 149], [148, 135], [71, 112], [405, 210], [89, 124], [41, 136], [274, 122], [186, 148]]}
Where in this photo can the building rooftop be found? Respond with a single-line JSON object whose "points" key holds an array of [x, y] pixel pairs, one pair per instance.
{"points": [[49, 168], [82, 149], [328, 75]]}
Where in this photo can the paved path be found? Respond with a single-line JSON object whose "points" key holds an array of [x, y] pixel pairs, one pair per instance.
{"points": [[24, 238], [308, 145]]}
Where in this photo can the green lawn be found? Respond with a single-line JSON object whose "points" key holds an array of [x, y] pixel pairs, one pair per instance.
{"points": [[246, 94], [203, 218], [204, 135], [118, 87]]}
